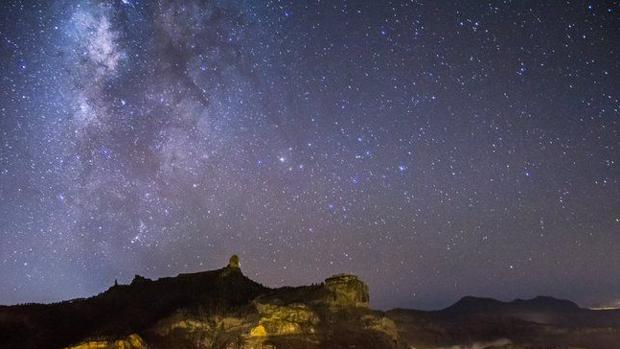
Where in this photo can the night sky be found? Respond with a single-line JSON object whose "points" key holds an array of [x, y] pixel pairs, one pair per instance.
{"points": [[435, 148]]}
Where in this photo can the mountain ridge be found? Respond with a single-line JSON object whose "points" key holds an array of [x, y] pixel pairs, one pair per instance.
{"points": [[223, 308], [544, 302]]}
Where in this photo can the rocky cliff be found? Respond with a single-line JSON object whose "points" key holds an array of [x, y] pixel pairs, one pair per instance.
{"points": [[333, 314], [226, 310], [346, 290]]}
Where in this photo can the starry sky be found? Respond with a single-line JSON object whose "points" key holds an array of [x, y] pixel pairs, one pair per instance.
{"points": [[435, 148]]}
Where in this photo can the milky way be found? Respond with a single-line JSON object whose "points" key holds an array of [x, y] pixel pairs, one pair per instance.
{"points": [[437, 149]]}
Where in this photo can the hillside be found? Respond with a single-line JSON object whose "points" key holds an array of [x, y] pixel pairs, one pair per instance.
{"points": [[225, 309]]}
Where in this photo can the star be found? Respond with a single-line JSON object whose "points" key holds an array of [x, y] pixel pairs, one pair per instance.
{"points": [[400, 141]]}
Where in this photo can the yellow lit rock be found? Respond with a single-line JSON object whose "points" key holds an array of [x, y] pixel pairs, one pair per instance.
{"points": [[91, 345], [136, 341], [381, 324], [347, 290], [282, 320], [258, 331], [293, 312], [174, 323], [133, 341], [234, 262]]}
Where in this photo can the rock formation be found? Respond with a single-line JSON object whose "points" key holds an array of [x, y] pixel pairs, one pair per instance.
{"points": [[224, 309], [347, 290], [233, 262], [132, 341], [279, 320]]}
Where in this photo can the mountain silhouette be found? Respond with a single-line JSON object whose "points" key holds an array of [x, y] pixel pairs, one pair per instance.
{"points": [[540, 303], [224, 309]]}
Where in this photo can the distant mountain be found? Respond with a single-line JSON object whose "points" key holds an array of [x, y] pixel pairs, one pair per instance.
{"points": [[541, 322], [474, 304], [225, 309]]}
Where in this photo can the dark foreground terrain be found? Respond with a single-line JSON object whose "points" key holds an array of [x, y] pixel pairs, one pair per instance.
{"points": [[224, 309]]}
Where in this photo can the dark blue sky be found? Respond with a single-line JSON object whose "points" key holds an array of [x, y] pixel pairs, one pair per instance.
{"points": [[436, 148]]}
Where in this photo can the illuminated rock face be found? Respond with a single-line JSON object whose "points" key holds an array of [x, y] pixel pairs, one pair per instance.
{"points": [[331, 315], [276, 320], [381, 324], [233, 262], [347, 290], [224, 309], [133, 341]]}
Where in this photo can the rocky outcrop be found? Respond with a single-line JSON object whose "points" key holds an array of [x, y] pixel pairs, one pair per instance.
{"points": [[223, 309], [333, 315], [278, 320], [278, 325], [234, 262], [132, 341], [137, 280], [381, 324], [188, 329], [346, 290]]}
